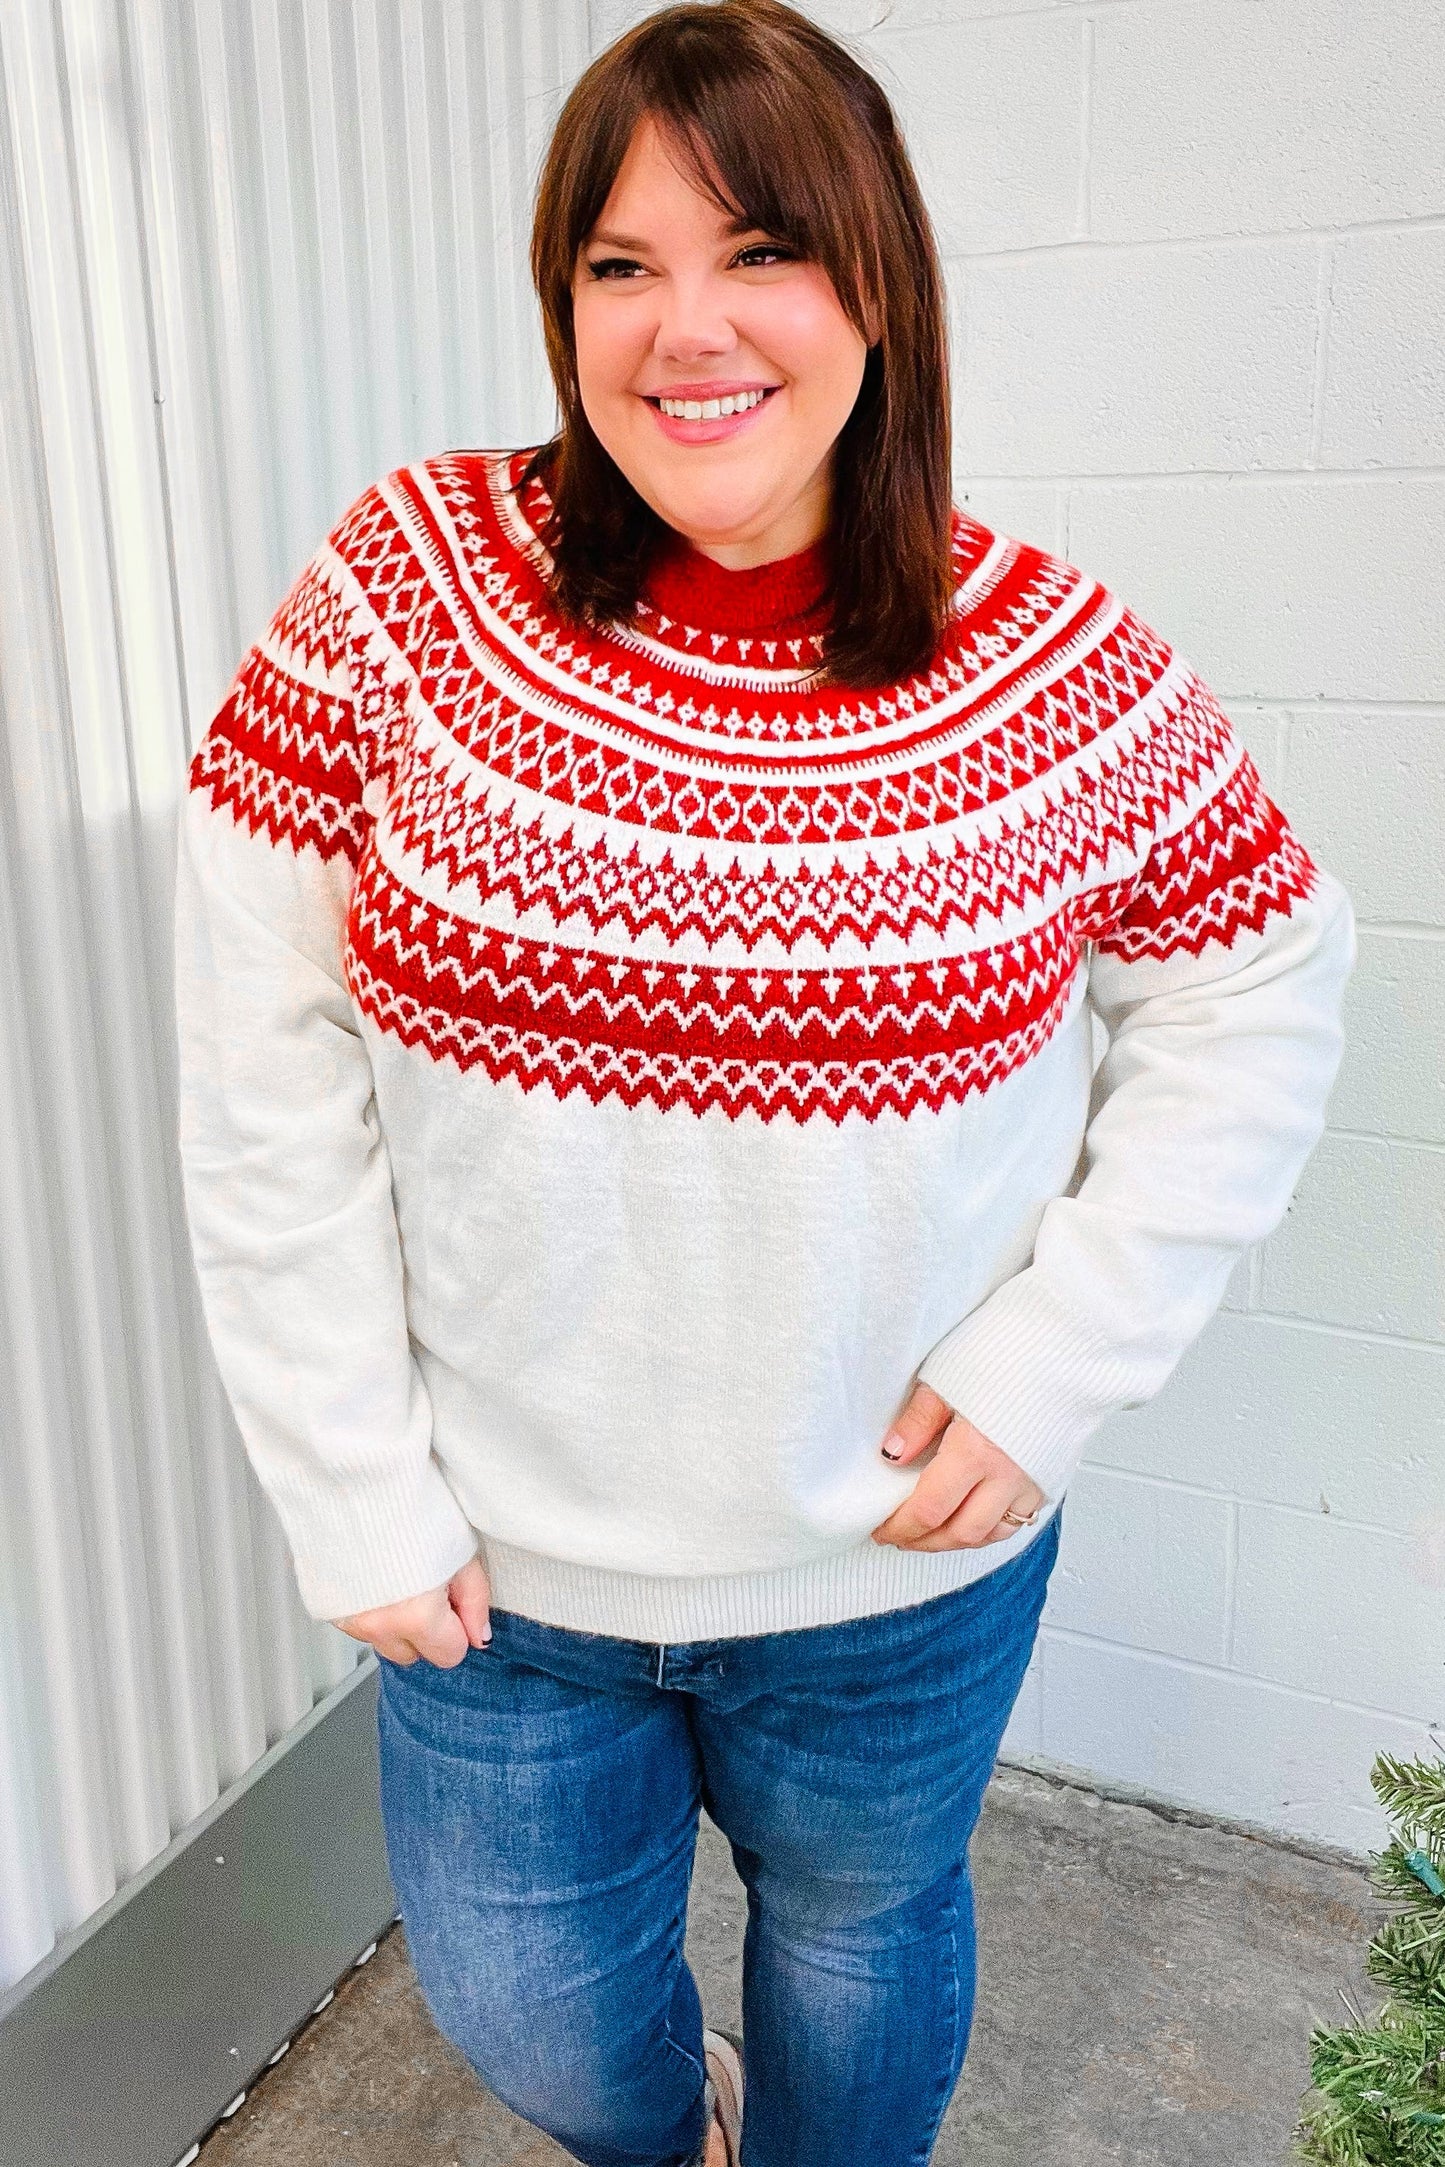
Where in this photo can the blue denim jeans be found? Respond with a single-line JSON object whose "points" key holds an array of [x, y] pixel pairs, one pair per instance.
{"points": [[540, 1803]]}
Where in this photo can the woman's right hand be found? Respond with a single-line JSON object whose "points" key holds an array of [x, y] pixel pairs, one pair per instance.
{"points": [[439, 1625]]}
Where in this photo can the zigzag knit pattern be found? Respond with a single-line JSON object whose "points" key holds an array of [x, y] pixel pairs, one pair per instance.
{"points": [[659, 863]]}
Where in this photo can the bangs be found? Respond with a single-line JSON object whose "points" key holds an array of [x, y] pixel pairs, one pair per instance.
{"points": [[733, 124], [747, 134]]}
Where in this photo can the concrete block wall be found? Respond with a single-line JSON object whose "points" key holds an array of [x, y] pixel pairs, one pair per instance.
{"points": [[1196, 258]]}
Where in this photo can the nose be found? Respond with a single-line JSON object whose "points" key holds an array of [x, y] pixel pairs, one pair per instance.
{"points": [[693, 320]]}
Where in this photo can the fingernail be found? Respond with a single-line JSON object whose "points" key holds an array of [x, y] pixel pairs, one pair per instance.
{"points": [[896, 1442]]}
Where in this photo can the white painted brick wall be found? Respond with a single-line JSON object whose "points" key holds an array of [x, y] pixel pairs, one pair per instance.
{"points": [[1196, 258]]}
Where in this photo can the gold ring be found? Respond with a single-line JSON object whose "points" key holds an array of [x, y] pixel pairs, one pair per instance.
{"points": [[1018, 1520]]}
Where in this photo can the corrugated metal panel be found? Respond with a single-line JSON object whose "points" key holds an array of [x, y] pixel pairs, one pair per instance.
{"points": [[251, 257]]}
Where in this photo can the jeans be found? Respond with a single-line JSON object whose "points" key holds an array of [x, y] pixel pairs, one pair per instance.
{"points": [[540, 1805]]}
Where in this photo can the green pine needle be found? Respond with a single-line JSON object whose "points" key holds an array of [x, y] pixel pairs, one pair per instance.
{"points": [[1407, 1958], [1380, 2088], [1401, 1876], [1412, 1794]]}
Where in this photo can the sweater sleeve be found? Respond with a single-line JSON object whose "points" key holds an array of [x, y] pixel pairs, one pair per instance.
{"points": [[1218, 969], [286, 1174]]}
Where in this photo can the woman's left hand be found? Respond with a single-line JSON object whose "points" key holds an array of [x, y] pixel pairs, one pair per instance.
{"points": [[956, 1502]]}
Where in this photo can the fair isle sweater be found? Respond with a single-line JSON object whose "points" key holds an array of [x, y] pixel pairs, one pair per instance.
{"points": [[614, 1069]]}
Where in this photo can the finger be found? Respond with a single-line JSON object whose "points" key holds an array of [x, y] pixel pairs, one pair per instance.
{"points": [[396, 1651], [979, 1521], [973, 1523], [1025, 1502], [921, 1420], [471, 1597], [443, 1640], [935, 1497], [382, 1639]]}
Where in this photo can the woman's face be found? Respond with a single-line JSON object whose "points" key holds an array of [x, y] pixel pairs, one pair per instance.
{"points": [[667, 301]]}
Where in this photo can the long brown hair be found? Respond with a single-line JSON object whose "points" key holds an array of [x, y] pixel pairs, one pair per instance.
{"points": [[806, 141]]}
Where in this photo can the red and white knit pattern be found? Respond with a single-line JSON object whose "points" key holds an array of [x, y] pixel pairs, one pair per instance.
{"points": [[614, 1066], [692, 879]]}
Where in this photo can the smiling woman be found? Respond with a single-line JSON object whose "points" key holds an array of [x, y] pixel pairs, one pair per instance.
{"points": [[694, 321], [698, 319], [684, 252], [643, 911]]}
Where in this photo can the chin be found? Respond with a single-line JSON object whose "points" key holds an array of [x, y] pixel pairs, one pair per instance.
{"points": [[717, 510]]}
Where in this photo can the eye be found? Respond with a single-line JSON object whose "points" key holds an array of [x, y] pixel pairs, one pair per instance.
{"points": [[602, 267], [599, 266], [768, 248]]}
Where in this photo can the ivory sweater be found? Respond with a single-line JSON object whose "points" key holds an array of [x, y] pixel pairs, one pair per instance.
{"points": [[613, 1071]]}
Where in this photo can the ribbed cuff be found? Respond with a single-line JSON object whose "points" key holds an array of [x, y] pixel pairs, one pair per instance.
{"points": [[374, 1541], [1029, 1375]]}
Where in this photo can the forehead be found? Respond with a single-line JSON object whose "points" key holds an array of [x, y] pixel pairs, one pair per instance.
{"points": [[655, 188]]}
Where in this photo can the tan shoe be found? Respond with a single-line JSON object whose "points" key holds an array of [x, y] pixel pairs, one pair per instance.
{"points": [[723, 2053]]}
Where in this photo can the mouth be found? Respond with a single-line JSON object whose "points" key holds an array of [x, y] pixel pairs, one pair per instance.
{"points": [[709, 424]]}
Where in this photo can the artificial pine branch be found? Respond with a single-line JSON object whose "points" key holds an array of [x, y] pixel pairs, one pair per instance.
{"points": [[1407, 1958], [1403, 1874], [1381, 2086], [1412, 1794]]}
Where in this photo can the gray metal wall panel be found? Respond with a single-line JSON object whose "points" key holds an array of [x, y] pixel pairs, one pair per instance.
{"points": [[253, 254], [150, 2023]]}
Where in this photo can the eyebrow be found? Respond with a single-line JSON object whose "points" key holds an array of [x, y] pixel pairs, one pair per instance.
{"points": [[606, 238]]}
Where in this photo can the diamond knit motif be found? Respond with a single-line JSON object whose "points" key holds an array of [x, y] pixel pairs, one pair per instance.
{"points": [[659, 863]]}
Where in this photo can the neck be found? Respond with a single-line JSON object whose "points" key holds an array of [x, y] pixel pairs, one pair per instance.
{"points": [[806, 521]]}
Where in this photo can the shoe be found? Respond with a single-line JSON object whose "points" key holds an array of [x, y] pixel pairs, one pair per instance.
{"points": [[723, 2053]]}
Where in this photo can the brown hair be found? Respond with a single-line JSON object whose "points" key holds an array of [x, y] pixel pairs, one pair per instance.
{"points": [[737, 86]]}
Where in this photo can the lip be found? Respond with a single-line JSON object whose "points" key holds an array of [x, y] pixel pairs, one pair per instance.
{"points": [[716, 387], [706, 432]]}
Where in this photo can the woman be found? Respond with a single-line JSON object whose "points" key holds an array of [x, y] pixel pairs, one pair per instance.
{"points": [[642, 907]]}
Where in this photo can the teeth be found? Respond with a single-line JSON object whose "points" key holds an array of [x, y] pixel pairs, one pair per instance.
{"points": [[711, 409]]}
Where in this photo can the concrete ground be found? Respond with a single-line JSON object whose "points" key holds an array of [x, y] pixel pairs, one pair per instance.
{"points": [[1146, 1989]]}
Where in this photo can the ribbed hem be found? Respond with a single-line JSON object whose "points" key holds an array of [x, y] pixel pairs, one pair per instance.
{"points": [[669, 1607], [1031, 1377]]}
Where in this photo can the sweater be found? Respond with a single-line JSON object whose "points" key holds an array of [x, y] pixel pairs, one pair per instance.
{"points": [[615, 1068]]}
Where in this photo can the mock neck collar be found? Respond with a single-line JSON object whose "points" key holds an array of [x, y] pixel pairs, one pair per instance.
{"points": [[788, 593]]}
